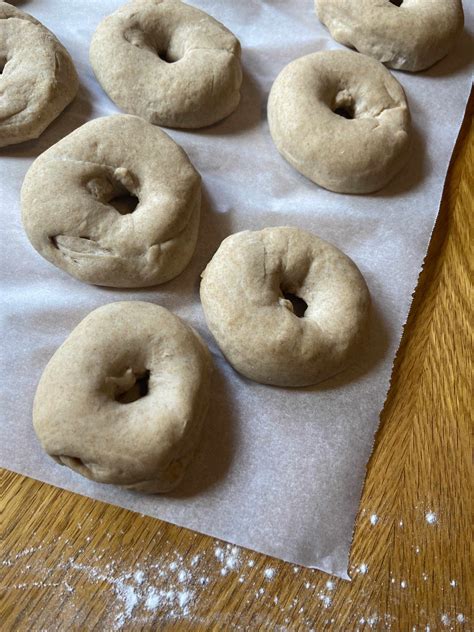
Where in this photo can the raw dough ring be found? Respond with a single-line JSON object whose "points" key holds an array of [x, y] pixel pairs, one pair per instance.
{"points": [[123, 399], [409, 35], [72, 204], [168, 62], [244, 294], [37, 76], [309, 106]]}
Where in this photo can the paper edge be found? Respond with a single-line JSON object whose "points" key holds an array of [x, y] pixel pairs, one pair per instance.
{"points": [[403, 326]]}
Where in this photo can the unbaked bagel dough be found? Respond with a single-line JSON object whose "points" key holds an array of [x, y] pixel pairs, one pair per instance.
{"points": [[37, 76], [123, 399], [409, 35], [78, 204], [341, 120], [168, 62], [248, 295]]}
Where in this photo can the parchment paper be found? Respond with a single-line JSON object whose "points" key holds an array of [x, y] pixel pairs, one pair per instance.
{"points": [[278, 470]]}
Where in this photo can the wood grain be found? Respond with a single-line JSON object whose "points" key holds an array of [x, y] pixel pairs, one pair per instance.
{"points": [[70, 563]]}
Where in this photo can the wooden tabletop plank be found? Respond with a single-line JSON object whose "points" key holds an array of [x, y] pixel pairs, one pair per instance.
{"points": [[71, 563]]}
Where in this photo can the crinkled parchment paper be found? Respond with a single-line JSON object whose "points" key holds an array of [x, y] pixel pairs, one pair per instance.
{"points": [[278, 470]]}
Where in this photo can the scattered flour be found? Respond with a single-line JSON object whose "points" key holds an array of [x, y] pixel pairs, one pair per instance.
{"points": [[127, 594], [135, 596], [269, 573], [327, 601], [183, 575], [230, 559], [195, 560], [374, 519], [373, 620], [153, 600], [431, 517], [184, 597], [138, 599], [219, 553]]}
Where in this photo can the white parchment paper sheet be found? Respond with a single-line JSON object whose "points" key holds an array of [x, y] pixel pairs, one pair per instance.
{"points": [[278, 470]]}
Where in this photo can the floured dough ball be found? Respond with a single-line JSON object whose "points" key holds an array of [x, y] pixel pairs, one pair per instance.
{"points": [[285, 307], [37, 76], [123, 399], [168, 62], [117, 203]]}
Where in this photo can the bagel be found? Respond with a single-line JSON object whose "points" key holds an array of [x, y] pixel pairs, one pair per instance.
{"points": [[405, 34], [168, 62], [251, 294], [37, 76], [341, 120], [123, 399], [73, 206]]}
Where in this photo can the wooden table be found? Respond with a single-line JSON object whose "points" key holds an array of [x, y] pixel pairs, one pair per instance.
{"points": [[70, 563]]}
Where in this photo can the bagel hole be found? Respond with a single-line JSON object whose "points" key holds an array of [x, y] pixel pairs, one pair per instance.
{"points": [[299, 305], [125, 203], [397, 3], [345, 111], [166, 56], [137, 391]]}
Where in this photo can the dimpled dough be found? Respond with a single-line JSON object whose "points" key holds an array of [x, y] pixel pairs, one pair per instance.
{"points": [[68, 198], [168, 62], [123, 399], [244, 293], [37, 76]]}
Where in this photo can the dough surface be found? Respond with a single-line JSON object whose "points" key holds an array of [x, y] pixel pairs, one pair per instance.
{"points": [[37, 76], [246, 294], [168, 62], [410, 35], [77, 204], [341, 120], [123, 399]]}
